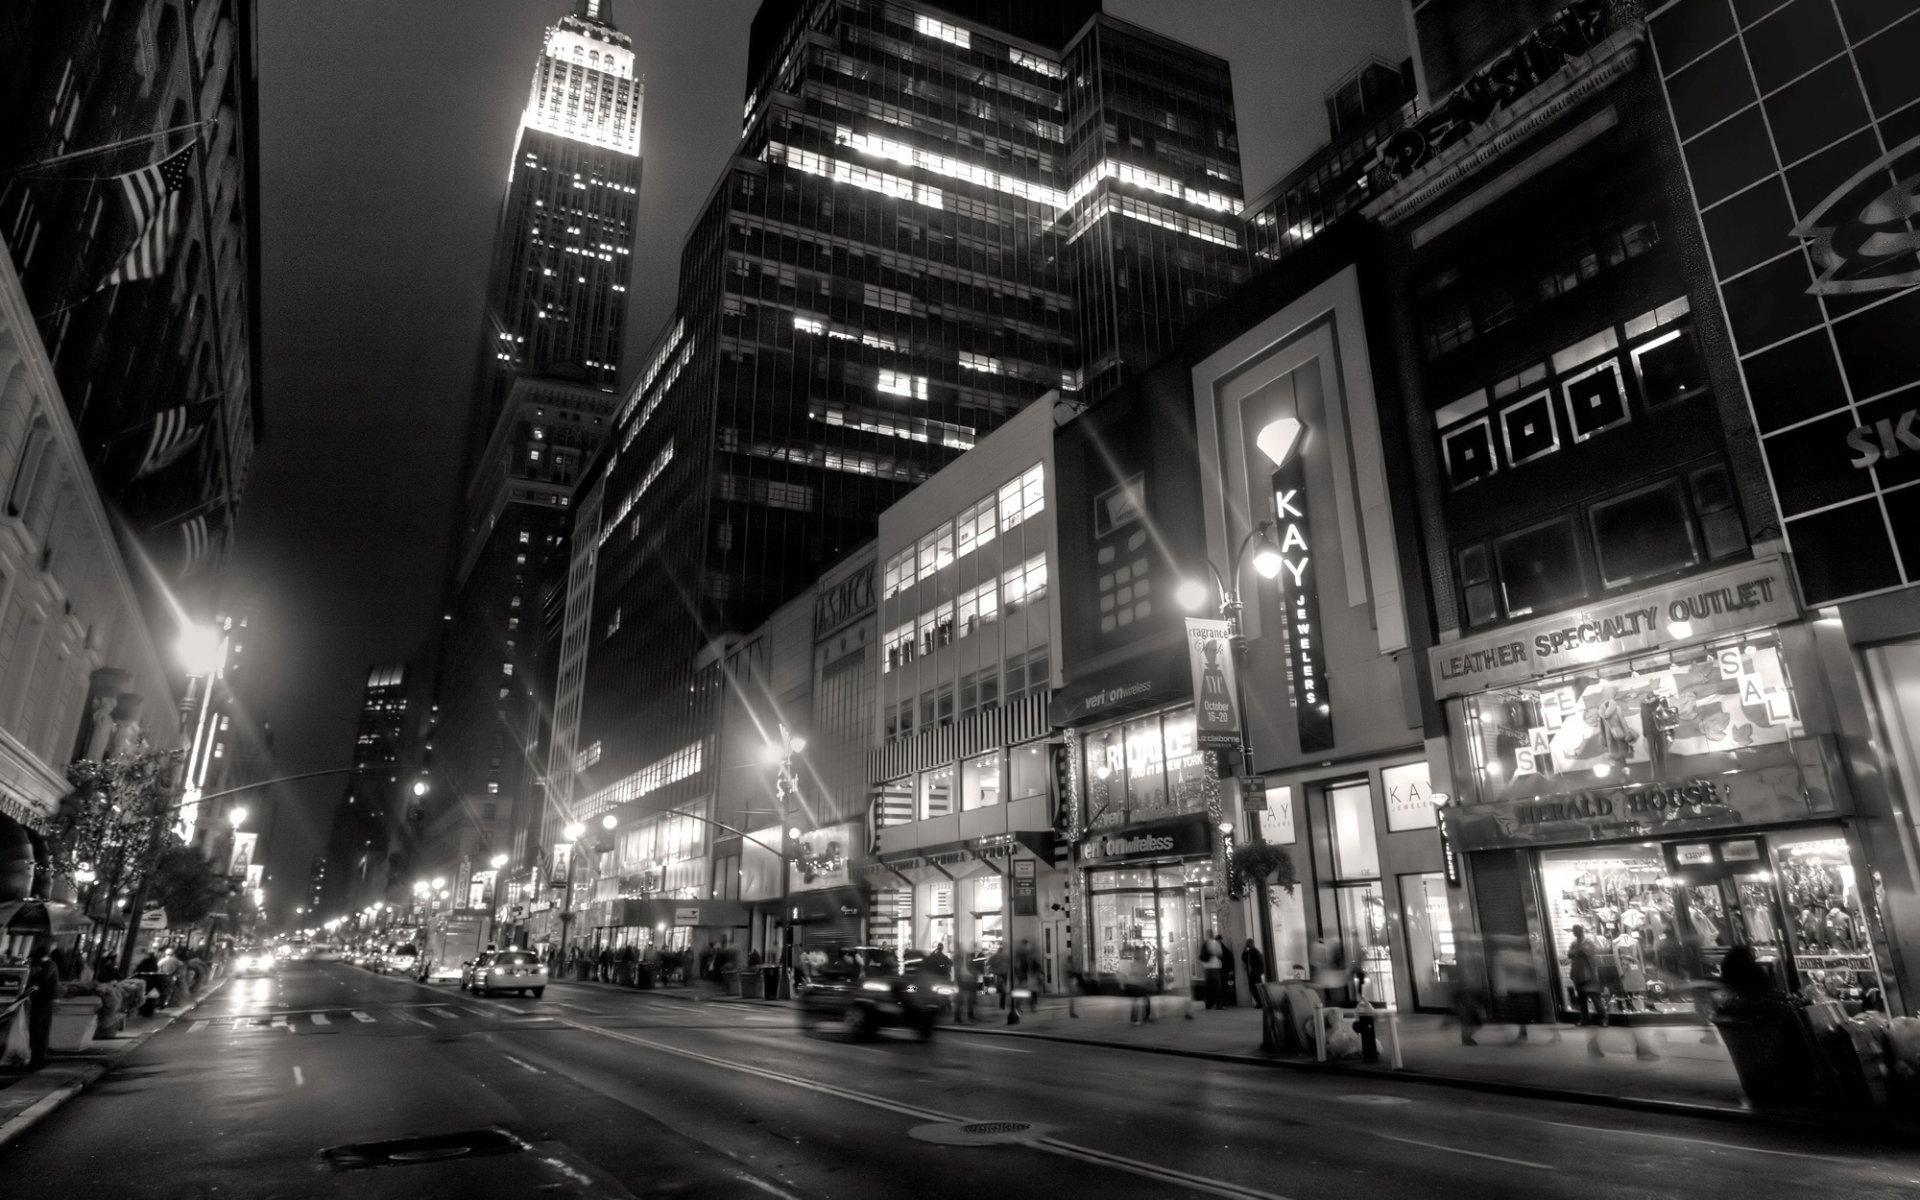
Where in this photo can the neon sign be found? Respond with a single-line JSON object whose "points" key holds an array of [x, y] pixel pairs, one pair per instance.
{"points": [[1299, 591]]}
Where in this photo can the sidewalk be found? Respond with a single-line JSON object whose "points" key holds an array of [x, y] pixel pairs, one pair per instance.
{"points": [[27, 1098]]}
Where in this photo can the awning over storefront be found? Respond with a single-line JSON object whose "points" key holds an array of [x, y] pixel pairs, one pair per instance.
{"points": [[19, 917], [652, 912], [1155, 676], [958, 859]]}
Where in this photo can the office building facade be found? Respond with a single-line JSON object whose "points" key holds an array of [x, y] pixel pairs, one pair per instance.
{"points": [[934, 218]]}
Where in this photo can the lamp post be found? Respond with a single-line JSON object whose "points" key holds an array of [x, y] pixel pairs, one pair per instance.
{"points": [[1279, 440], [572, 833], [787, 799]]}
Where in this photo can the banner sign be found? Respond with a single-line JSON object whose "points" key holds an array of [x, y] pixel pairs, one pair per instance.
{"points": [[562, 864], [1026, 901], [243, 843], [256, 876], [1724, 601], [1216, 717], [154, 918]]}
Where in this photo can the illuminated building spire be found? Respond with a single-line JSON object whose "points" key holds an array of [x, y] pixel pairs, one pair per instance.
{"points": [[584, 86]]}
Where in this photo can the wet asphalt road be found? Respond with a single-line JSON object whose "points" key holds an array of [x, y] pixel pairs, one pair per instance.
{"points": [[606, 1094]]}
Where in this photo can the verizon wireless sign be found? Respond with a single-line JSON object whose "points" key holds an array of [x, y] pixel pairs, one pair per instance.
{"points": [[1181, 840]]}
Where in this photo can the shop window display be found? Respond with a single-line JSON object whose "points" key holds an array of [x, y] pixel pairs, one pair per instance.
{"points": [[1624, 901], [1704, 710], [1826, 923], [1142, 771]]}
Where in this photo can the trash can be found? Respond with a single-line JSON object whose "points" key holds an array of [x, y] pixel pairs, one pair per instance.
{"points": [[770, 982], [1773, 1056], [751, 984]]}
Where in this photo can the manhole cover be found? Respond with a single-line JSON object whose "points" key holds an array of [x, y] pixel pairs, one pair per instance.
{"points": [[400, 1152], [977, 1133], [1362, 1099]]}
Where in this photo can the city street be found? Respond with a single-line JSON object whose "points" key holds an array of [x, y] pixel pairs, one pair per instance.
{"points": [[612, 1093]]}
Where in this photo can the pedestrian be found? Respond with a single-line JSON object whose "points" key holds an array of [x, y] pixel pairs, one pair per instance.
{"points": [[174, 970], [937, 961], [966, 978], [1213, 958], [1516, 980], [1028, 975], [1585, 977], [43, 988], [1469, 987], [1139, 988], [999, 965], [606, 965], [1255, 963]]}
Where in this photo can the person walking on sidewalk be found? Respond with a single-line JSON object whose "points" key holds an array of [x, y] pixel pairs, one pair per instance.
{"points": [[966, 979], [1516, 979], [1213, 956], [1026, 968], [43, 988], [1256, 965], [1139, 987]]}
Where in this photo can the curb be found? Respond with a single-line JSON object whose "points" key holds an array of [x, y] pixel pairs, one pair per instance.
{"points": [[1686, 1108], [93, 1071]]}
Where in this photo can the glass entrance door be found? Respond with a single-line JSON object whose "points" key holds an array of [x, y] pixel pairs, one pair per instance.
{"points": [[1361, 909]]}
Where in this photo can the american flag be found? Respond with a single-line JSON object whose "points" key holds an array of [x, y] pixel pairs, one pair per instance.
{"points": [[197, 538], [153, 200], [174, 432]]}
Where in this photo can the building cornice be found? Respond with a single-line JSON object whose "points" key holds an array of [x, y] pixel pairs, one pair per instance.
{"points": [[1505, 132]]}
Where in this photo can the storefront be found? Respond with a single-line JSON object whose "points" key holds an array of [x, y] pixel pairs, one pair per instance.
{"points": [[1151, 892], [1655, 773], [955, 895]]}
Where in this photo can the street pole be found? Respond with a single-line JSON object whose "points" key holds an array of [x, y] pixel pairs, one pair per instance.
{"points": [[1231, 609]]}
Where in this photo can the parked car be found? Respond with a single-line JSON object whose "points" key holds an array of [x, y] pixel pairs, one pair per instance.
{"points": [[506, 971], [401, 960], [432, 970], [864, 991]]}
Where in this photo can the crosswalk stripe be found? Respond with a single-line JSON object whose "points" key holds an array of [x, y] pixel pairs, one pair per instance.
{"points": [[440, 1011], [360, 1016], [278, 1021], [196, 1027], [407, 1016], [321, 1019]]}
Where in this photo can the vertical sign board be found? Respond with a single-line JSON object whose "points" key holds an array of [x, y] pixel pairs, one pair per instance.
{"points": [[243, 844], [1806, 193], [562, 864], [1216, 718], [1025, 900], [1300, 593]]}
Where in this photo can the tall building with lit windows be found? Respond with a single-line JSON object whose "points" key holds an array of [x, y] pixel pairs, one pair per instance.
{"points": [[357, 842], [934, 217], [544, 393], [557, 289]]}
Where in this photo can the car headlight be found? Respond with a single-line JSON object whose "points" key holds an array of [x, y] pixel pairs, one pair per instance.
{"points": [[945, 989], [874, 985], [499, 970]]}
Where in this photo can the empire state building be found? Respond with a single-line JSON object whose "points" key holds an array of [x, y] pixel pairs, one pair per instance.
{"points": [[557, 290]]}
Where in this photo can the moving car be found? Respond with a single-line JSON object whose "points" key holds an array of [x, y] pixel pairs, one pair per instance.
{"points": [[506, 971], [252, 964], [863, 991]]}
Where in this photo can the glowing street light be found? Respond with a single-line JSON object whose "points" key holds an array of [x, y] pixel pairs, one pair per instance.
{"points": [[202, 649], [497, 861], [573, 831], [237, 815], [609, 821]]}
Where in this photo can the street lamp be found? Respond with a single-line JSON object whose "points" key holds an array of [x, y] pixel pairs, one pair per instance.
{"points": [[1279, 439], [238, 815], [570, 834]]}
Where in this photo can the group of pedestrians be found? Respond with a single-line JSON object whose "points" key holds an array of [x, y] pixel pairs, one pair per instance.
{"points": [[1014, 975], [171, 976], [1501, 977]]}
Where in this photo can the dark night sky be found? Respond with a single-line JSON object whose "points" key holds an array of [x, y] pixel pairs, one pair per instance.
{"points": [[385, 132]]}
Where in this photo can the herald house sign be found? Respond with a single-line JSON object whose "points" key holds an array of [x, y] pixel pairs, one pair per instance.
{"points": [[1723, 601]]}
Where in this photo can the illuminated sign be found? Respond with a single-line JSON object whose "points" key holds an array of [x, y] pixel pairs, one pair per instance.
{"points": [[1449, 857], [1299, 591], [843, 601]]}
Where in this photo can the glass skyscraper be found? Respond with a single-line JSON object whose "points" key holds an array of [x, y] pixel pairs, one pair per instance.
{"points": [[934, 217]]}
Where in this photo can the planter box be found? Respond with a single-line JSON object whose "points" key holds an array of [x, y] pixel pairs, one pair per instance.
{"points": [[73, 1023]]}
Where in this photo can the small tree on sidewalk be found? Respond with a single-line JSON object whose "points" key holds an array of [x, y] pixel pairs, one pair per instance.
{"points": [[112, 828]]}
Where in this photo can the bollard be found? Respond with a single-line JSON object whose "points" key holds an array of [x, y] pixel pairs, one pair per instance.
{"points": [[1393, 1032], [1319, 1032]]}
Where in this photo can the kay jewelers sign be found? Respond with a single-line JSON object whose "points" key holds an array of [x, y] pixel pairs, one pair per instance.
{"points": [[1723, 601]]}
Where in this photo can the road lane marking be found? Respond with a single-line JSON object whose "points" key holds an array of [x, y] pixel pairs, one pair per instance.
{"points": [[440, 1010], [299, 1078], [1133, 1166], [1738, 1149], [321, 1019], [196, 1027], [1518, 1162], [360, 1016], [407, 1016], [1001, 1049], [525, 1065]]}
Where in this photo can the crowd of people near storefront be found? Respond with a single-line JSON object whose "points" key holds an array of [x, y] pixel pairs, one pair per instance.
{"points": [[62, 969]]}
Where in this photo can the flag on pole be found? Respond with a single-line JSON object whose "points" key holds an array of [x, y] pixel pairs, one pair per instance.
{"points": [[153, 200], [198, 537], [174, 432]]}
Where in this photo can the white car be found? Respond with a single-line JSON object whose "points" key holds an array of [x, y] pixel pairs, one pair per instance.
{"points": [[252, 964]]}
